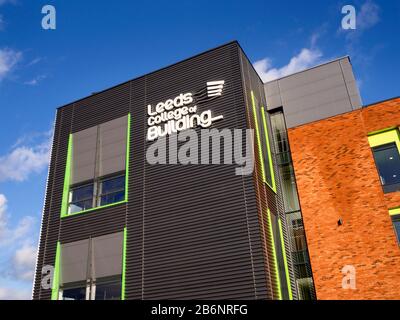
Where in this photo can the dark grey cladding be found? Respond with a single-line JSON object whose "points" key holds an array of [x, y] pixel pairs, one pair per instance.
{"points": [[193, 231]]}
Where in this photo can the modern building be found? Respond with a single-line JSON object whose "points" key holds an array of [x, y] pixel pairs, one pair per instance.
{"points": [[117, 225]]}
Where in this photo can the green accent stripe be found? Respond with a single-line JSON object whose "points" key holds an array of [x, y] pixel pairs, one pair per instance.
{"points": [[275, 262], [128, 145], [56, 274], [285, 260], [258, 137], [94, 209], [124, 264], [271, 166], [67, 177]]}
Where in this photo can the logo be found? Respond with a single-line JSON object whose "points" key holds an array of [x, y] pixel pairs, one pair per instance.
{"points": [[181, 112]]}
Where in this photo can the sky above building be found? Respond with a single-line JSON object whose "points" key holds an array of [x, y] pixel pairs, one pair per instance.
{"points": [[98, 44]]}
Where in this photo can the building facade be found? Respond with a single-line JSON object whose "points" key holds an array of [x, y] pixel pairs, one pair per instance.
{"points": [[117, 227], [128, 217]]}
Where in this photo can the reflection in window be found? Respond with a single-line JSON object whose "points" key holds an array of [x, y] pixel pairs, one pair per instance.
{"points": [[112, 190], [81, 198], [387, 160], [108, 290], [75, 293]]}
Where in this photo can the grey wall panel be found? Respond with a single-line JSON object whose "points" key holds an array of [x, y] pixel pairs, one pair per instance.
{"points": [[315, 94]]}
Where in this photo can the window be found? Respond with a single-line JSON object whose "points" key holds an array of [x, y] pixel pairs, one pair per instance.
{"points": [[81, 198], [395, 215], [385, 148], [387, 160], [74, 293], [112, 190], [96, 167], [91, 269], [108, 290]]}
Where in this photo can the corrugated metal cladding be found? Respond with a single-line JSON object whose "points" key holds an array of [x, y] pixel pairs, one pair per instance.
{"points": [[193, 231]]}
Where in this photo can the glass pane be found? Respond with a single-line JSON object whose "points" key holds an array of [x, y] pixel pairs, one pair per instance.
{"points": [[112, 185], [74, 294], [112, 197], [108, 291], [80, 206], [387, 160], [82, 193]]}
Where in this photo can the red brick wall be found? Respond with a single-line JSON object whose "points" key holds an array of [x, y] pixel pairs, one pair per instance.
{"points": [[337, 178]]}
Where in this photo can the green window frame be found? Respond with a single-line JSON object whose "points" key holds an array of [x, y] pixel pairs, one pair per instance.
{"points": [[67, 178], [55, 289]]}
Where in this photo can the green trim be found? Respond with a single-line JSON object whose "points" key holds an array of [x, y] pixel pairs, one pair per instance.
{"points": [[67, 179], [260, 154], [94, 209], [260, 151], [285, 260], [274, 254], [56, 274], [271, 165], [124, 264], [394, 211], [128, 143]]}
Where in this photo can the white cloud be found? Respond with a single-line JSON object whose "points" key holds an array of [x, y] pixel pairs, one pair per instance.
{"points": [[8, 60], [9, 235], [35, 81], [305, 59], [368, 16], [14, 294], [8, 1], [24, 261], [24, 160]]}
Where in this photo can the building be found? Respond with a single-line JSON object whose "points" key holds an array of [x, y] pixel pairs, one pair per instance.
{"points": [[118, 226]]}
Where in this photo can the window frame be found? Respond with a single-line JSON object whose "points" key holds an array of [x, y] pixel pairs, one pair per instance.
{"points": [[381, 138], [65, 206]]}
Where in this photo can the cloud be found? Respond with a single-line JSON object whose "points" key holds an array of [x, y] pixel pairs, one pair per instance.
{"points": [[25, 159], [305, 59], [9, 235], [14, 294], [8, 60], [24, 261], [35, 81], [7, 1], [368, 16]]}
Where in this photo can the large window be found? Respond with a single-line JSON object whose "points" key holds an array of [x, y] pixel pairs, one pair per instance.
{"points": [[91, 269], [387, 161], [385, 147], [96, 168]]}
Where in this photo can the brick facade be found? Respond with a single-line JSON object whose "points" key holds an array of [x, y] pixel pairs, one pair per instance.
{"points": [[337, 179]]}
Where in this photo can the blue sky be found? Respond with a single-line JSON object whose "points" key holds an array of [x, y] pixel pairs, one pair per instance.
{"points": [[98, 44]]}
